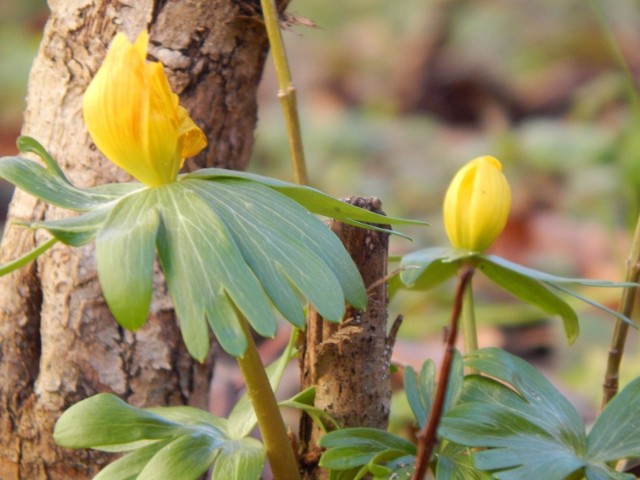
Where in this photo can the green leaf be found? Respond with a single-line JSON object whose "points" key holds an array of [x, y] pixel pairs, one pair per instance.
{"points": [[384, 464], [241, 458], [615, 433], [305, 401], [427, 268], [283, 244], [529, 430], [556, 282], [593, 303], [599, 472], [420, 391], [76, 231], [104, 420], [205, 271], [402, 467], [40, 182], [125, 250], [242, 418], [167, 442], [31, 145], [547, 278], [192, 417], [531, 291], [187, 457], [455, 463], [353, 447], [130, 466], [312, 199], [546, 407]]}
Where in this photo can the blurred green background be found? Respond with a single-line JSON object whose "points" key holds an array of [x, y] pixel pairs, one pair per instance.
{"points": [[396, 96]]}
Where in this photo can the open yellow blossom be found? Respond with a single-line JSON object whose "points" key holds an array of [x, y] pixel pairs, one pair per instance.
{"points": [[477, 204], [134, 118]]}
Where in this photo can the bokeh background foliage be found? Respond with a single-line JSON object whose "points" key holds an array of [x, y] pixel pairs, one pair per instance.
{"points": [[396, 96]]}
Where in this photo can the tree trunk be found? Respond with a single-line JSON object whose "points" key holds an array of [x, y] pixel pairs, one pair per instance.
{"points": [[349, 362], [58, 341]]}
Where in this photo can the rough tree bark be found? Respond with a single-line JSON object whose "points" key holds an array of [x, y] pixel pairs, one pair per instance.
{"points": [[349, 362], [58, 342]]}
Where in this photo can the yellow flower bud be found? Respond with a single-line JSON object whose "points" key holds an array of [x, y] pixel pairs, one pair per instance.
{"points": [[477, 205], [134, 118]]}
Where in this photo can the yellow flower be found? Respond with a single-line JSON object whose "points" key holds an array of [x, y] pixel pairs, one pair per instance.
{"points": [[134, 118], [477, 204]]}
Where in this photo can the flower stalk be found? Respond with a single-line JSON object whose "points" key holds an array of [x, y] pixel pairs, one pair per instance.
{"points": [[287, 93], [274, 434], [427, 438]]}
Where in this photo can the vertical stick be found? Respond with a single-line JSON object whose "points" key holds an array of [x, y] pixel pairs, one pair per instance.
{"points": [[619, 338], [287, 92]]}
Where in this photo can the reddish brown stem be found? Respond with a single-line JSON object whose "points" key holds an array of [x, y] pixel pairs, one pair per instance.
{"points": [[427, 438]]}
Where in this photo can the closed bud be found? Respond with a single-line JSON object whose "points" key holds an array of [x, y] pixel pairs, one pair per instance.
{"points": [[477, 205]]}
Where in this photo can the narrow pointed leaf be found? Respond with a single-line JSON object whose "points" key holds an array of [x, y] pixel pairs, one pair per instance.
{"points": [[36, 180], [125, 250], [78, 230], [532, 291], [545, 277], [352, 447], [305, 401], [225, 324], [593, 303], [310, 198], [31, 145], [420, 391]]}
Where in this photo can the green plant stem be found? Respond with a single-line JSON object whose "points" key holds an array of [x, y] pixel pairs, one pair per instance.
{"points": [[287, 92], [274, 434], [27, 257], [469, 321], [619, 337], [427, 438]]}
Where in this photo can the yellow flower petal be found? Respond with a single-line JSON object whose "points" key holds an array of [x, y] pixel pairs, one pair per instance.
{"points": [[135, 119], [477, 204]]}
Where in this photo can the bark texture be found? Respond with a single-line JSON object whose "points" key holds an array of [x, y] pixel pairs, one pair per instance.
{"points": [[349, 362], [58, 341]]}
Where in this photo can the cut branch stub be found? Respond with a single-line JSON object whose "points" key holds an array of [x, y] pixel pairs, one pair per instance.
{"points": [[348, 362]]}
